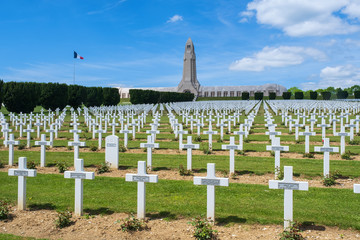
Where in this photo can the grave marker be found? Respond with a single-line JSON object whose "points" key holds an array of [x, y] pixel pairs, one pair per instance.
{"points": [[112, 151]]}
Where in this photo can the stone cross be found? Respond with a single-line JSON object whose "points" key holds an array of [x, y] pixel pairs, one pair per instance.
{"points": [[153, 132], [51, 131], [334, 120], [79, 175], [181, 132], [210, 132], [21, 124], [342, 135], [22, 172], [38, 124], [357, 120], [232, 148], [43, 144], [28, 131], [352, 125], [326, 149], [189, 146], [112, 151], [241, 133], [75, 130], [277, 148], [126, 131], [6, 130], [272, 133], [211, 181], [297, 125], [11, 142], [76, 144], [198, 124], [323, 126], [100, 132], [149, 145], [141, 178], [307, 135], [288, 184], [221, 125]]}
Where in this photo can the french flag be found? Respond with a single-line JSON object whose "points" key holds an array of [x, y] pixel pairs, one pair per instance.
{"points": [[77, 55]]}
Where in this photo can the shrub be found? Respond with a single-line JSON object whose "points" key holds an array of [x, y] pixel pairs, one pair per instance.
{"points": [[4, 209], [2, 165], [280, 175], [329, 180], [346, 155], [313, 95], [286, 95], [184, 172], [206, 151], [63, 219], [69, 148], [203, 229], [21, 146], [354, 142], [245, 96], [132, 224], [240, 152], [326, 95], [272, 96], [198, 139], [62, 167], [299, 95], [293, 233], [259, 96], [31, 165], [122, 148], [220, 140], [308, 155], [103, 168], [93, 148], [342, 94]]}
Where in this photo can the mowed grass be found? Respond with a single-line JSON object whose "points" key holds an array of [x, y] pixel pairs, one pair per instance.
{"points": [[308, 168], [238, 203]]}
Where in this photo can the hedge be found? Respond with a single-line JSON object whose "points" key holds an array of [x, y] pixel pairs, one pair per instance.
{"points": [[299, 95], [342, 94], [139, 96], [259, 95], [313, 95], [286, 95], [357, 94], [245, 96], [326, 95], [272, 96]]}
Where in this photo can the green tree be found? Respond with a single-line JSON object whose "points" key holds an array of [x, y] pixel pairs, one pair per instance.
{"points": [[54, 95], [272, 96], [299, 95], [286, 95], [111, 96], [293, 90], [1, 92], [245, 95], [18, 97], [259, 95], [76, 95], [313, 95]]}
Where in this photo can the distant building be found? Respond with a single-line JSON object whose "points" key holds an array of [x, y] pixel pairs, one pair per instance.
{"points": [[189, 82]]}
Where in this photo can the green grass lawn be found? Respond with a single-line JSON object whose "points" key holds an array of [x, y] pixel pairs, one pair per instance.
{"points": [[239, 203]]}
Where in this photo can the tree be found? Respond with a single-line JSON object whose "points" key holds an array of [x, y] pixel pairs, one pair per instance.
{"points": [[286, 95], [299, 95], [54, 95], [326, 95], [293, 90], [111, 96], [1, 92], [245, 96], [272, 96], [18, 97], [313, 95], [357, 94], [76, 95], [342, 94], [259, 96]]}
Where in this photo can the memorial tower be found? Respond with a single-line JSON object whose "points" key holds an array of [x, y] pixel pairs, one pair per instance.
{"points": [[189, 82]]}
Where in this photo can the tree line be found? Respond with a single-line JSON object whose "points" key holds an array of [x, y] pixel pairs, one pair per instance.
{"points": [[138, 96], [25, 96]]}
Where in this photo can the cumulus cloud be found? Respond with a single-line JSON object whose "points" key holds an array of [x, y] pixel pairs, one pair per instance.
{"points": [[175, 18], [276, 57], [341, 76], [305, 17]]}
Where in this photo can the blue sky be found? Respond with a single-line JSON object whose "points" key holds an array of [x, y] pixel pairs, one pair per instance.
{"points": [[309, 44]]}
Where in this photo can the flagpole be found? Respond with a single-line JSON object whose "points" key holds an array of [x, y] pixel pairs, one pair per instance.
{"points": [[74, 73]]}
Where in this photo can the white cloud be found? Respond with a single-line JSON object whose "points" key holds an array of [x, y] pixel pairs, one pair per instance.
{"points": [[342, 76], [306, 17], [106, 7], [175, 18], [276, 57]]}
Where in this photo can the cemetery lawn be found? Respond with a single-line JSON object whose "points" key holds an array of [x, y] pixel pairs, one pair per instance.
{"points": [[13, 237], [170, 199]]}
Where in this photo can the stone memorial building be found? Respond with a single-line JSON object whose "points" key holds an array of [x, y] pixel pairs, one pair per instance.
{"points": [[190, 83]]}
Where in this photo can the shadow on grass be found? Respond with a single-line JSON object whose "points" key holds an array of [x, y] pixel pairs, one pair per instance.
{"points": [[230, 219], [199, 170], [243, 172], [41, 206], [123, 167], [163, 214], [51, 165], [160, 168], [311, 226], [98, 211]]}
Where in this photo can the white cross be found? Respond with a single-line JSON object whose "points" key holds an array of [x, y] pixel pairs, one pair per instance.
{"points": [[241, 133], [11, 142], [307, 135], [149, 145], [288, 184], [100, 132], [141, 178], [181, 132], [21, 124], [210, 133], [352, 125], [28, 131], [323, 126], [79, 175], [272, 133], [153, 131], [76, 144], [342, 135], [297, 125], [277, 148], [43, 144], [126, 131], [38, 124], [189, 146], [51, 131], [198, 125], [334, 120], [75, 131], [326, 149], [211, 181], [232, 148], [357, 120], [221, 125], [22, 172], [6, 130]]}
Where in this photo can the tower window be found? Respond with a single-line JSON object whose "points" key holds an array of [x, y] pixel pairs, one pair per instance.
{"points": [[188, 46]]}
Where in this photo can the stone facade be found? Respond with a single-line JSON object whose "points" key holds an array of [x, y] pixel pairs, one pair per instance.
{"points": [[189, 82]]}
